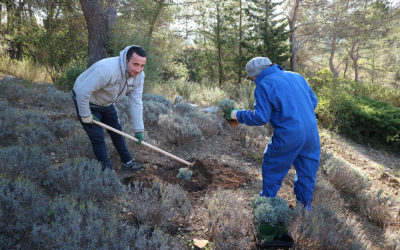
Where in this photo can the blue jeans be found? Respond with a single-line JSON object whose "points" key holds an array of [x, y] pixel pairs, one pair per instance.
{"points": [[109, 116]]}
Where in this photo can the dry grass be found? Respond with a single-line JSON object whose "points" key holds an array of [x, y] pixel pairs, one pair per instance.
{"points": [[27, 70]]}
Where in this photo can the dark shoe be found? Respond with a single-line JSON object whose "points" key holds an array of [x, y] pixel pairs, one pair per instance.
{"points": [[132, 165]]}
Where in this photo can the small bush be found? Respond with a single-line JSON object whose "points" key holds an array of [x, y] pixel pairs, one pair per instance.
{"points": [[207, 123], [225, 105], [32, 136], [322, 228], [75, 145], [271, 210], [157, 98], [48, 95], [325, 193], [67, 80], [229, 223], [158, 206], [84, 225], [152, 111], [64, 128], [184, 174], [27, 162], [9, 117], [22, 206], [343, 177], [377, 208], [85, 180], [183, 108], [179, 129]]}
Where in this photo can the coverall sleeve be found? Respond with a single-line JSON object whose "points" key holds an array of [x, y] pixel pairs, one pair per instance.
{"points": [[91, 80], [136, 107], [262, 110]]}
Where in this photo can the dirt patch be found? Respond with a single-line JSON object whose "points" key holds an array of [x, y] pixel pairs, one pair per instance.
{"points": [[208, 174]]}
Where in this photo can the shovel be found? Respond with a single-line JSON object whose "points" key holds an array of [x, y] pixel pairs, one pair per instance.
{"points": [[143, 143]]}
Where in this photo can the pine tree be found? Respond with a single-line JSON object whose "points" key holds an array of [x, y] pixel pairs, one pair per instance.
{"points": [[268, 34]]}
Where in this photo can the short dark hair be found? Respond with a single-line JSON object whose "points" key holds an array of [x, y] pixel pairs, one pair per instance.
{"points": [[135, 49]]}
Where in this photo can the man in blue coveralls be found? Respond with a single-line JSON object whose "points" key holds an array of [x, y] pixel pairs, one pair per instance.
{"points": [[284, 99]]}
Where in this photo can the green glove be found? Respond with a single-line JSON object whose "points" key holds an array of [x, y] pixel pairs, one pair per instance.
{"points": [[231, 114], [139, 136]]}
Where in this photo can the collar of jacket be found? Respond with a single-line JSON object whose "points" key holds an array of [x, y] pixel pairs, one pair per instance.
{"points": [[270, 70]]}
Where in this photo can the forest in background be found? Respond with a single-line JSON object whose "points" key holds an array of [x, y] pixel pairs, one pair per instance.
{"points": [[208, 41]]}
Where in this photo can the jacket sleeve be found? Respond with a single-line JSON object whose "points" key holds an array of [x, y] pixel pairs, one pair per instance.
{"points": [[262, 110], [136, 107], [91, 80]]}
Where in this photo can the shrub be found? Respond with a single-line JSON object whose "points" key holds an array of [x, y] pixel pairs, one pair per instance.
{"points": [[33, 136], [184, 174], [8, 119], [271, 210], [344, 177], [85, 180], [27, 162], [325, 193], [225, 105], [50, 96], [229, 223], [83, 225], [157, 98], [152, 111], [376, 208], [67, 80], [342, 108], [207, 123], [322, 228], [158, 206], [182, 108], [75, 145], [16, 89], [64, 128], [179, 129], [22, 206]]}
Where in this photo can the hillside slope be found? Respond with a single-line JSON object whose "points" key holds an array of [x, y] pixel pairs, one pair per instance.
{"points": [[348, 209]]}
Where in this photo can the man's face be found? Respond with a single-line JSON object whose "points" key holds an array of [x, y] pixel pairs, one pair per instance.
{"points": [[135, 65]]}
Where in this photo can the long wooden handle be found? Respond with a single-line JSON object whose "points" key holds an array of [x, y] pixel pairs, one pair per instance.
{"points": [[143, 143]]}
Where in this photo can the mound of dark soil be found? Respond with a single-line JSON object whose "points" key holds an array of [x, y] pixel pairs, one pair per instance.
{"points": [[208, 174]]}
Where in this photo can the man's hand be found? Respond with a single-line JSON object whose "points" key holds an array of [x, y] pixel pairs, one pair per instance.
{"points": [[87, 119], [139, 136], [231, 114]]}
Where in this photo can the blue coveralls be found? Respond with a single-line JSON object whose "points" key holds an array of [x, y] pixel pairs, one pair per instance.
{"points": [[284, 99]]}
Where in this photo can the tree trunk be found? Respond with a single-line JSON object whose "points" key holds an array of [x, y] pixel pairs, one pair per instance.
{"points": [[355, 58], [294, 13], [240, 43], [98, 21], [153, 21], [219, 46], [333, 50], [346, 66]]}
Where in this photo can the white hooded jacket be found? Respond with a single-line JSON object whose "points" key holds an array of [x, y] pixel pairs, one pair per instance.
{"points": [[106, 82]]}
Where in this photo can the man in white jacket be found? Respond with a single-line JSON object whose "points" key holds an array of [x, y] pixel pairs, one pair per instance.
{"points": [[98, 88]]}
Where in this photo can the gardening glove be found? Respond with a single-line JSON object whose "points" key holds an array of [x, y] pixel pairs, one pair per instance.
{"points": [[231, 114], [139, 136], [87, 119]]}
